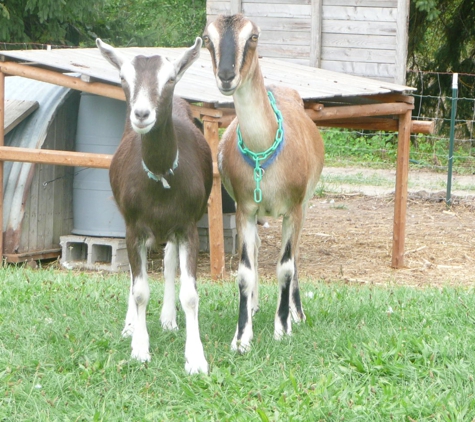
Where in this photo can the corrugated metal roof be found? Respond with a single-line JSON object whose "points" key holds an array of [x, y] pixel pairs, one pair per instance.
{"points": [[198, 83], [31, 133]]}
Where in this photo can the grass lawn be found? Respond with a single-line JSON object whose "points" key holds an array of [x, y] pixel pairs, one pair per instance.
{"points": [[365, 353]]}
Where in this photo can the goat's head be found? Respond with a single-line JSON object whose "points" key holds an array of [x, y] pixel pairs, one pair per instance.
{"points": [[148, 82], [232, 43]]}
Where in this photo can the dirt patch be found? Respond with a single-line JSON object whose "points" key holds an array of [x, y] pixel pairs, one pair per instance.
{"points": [[349, 237]]}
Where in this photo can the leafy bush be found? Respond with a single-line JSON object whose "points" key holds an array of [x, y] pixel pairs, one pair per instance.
{"points": [[165, 23]]}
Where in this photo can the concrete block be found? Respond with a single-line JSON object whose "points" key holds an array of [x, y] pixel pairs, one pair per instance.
{"points": [[94, 253]]}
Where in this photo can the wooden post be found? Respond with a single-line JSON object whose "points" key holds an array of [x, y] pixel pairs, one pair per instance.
{"points": [[2, 142], [316, 33], [400, 203], [235, 6], [215, 212]]}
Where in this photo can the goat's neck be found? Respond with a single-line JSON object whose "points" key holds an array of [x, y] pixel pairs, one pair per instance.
{"points": [[159, 146], [256, 117]]}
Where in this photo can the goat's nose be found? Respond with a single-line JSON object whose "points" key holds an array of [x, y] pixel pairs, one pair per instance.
{"points": [[142, 114], [226, 75]]}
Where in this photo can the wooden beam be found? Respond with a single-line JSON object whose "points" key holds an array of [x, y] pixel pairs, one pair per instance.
{"points": [[62, 158], [400, 201], [379, 123], [44, 75], [366, 110], [215, 212]]}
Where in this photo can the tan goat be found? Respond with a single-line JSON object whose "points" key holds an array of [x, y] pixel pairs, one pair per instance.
{"points": [[270, 159]]}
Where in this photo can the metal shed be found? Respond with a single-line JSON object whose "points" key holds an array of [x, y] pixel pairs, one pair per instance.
{"points": [[331, 99], [37, 197], [357, 37]]}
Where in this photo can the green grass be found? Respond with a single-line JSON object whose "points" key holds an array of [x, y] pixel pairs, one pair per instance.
{"points": [[365, 354], [379, 150]]}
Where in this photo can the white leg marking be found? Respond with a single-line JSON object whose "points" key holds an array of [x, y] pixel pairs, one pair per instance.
{"points": [[131, 316], [194, 353], [168, 314], [247, 279], [141, 292]]}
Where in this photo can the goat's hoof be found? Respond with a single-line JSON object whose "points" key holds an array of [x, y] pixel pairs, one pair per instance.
{"points": [[279, 334], [240, 346], [128, 330], [141, 355], [255, 310], [298, 317], [169, 325], [196, 366]]}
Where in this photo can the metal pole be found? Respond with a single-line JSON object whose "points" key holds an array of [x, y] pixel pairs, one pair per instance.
{"points": [[448, 198]]}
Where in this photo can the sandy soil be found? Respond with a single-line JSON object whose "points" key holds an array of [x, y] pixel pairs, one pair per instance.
{"points": [[348, 235]]}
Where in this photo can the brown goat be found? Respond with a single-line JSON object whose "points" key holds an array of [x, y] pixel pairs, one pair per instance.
{"points": [[161, 177], [270, 159]]}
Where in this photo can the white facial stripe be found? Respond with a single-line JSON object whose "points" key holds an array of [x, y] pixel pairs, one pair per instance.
{"points": [[127, 71], [166, 71], [215, 39], [243, 36]]}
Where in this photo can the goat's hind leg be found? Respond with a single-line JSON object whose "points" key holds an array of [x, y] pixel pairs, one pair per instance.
{"points": [[188, 253], [168, 314], [289, 304]]}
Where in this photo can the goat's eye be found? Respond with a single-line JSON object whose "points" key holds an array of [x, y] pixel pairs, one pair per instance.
{"points": [[254, 37], [206, 39]]}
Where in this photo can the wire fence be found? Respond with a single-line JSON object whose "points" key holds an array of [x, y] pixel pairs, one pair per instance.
{"points": [[433, 102]]}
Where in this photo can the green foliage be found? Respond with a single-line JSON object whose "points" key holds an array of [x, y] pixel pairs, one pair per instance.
{"points": [[365, 354], [45, 21], [165, 23], [168, 23], [442, 39], [379, 149]]}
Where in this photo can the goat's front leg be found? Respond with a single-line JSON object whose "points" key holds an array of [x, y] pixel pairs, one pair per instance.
{"points": [[247, 281], [141, 295], [194, 353], [131, 316], [168, 314], [289, 303]]}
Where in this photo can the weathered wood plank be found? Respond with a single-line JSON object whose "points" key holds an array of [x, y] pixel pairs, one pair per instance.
{"points": [[359, 27], [358, 55], [377, 42], [272, 2], [366, 14], [277, 10], [284, 37], [370, 70], [16, 111], [283, 50], [361, 3]]}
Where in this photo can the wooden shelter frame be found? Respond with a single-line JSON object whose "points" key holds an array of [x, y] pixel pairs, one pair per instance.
{"points": [[388, 111]]}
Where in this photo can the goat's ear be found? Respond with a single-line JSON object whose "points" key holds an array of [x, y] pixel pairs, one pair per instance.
{"points": [[187, 58], [110, 53]]}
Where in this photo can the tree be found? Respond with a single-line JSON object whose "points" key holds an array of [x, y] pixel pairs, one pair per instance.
{"points": [[46, 21], [442, 39]]}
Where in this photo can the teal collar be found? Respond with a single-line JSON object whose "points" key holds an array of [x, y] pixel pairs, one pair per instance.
{"points": [[161, 177], [261, 160]]}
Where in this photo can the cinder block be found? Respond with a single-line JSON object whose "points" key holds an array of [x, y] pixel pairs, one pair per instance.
{"points": [[94, 253], [229, 229]]}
